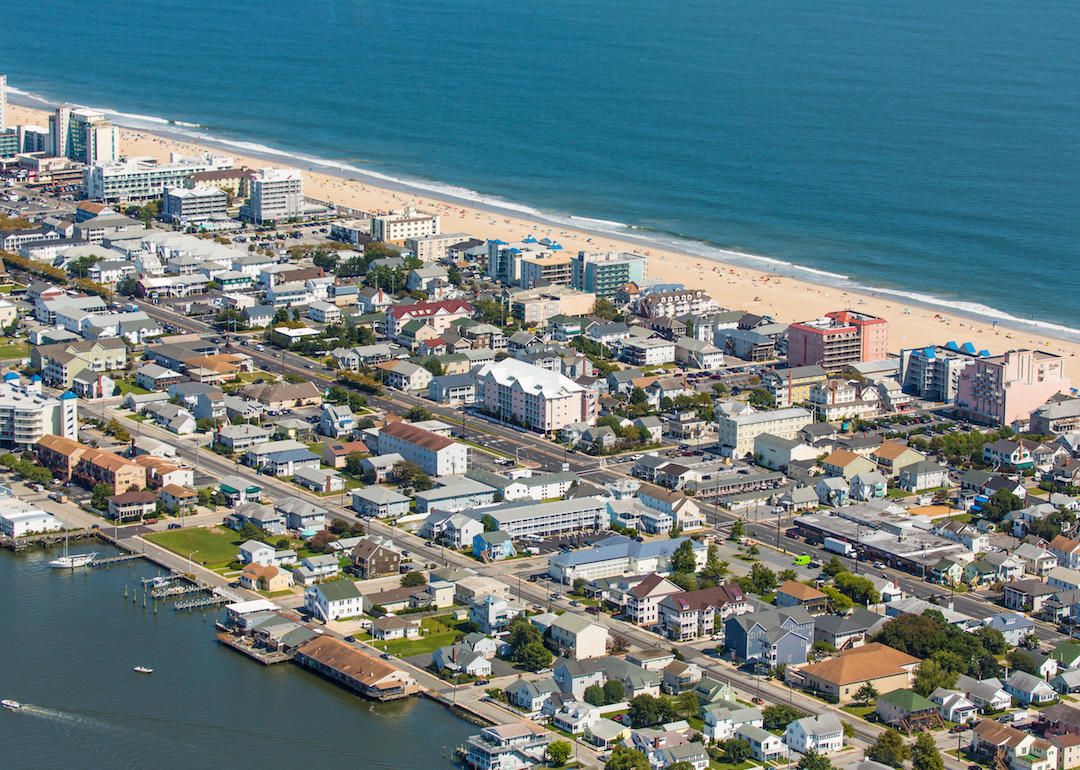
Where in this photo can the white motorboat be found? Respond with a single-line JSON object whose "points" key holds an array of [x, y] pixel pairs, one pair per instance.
{"points": [[14, 705], [143, 670]]}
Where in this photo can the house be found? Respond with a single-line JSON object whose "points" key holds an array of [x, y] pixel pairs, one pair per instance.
{"points": [[453, 389], [238, 491], [242, 437], [256, 577], [986, 694], [782, 635], [764, 746], [1066, 550], [1043, 665], [846, 464], [923, 475], [868, 486], [724, 718], [177, 499], [1009, 567], [1061, 577], [640, 599], [312, 569], [455, 530], [390, 627], [822, 733], [906, 710], [1017, 750], [575, 636], [606, 733], [876, 664], [833, 492], [703, 612], [1067, 682], [493, 614], [947, 572], [892, 457], [1068, 747], [845, 631], [461, 659], [493, 546], [336, 420], [530, 696], [679, 677], [952, 706], [1013, 625], [320, 481], [373, 559], [1027, 595], [379, 502], [1029, 689], [575, 676], [132, 506], [1016, 454], [792, 594], [300, 514]]}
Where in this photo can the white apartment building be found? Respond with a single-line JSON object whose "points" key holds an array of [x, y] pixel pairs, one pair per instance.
{"points": [[436, 455], [144, 178], [649, 352], [528, 394], [398, 226], [433, 248], [277, 194], [736, 433], [195, 204], [18, 519], [26, 415], [545, 519], [294, 293], [83, 135]]}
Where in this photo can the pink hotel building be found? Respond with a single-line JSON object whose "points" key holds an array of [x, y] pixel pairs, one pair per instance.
{"points": [[544, 400], [837, 340], [1002, 389]]}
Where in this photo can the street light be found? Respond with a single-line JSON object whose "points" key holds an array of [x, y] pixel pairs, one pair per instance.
{"points": [[189, 560]]}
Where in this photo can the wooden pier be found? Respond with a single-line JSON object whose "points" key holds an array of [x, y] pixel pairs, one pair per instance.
{"points": [[114, 560], [203, 602], [266, 657]]}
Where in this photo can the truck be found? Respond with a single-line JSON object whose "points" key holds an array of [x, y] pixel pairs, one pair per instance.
{"points": [[838, 546]]}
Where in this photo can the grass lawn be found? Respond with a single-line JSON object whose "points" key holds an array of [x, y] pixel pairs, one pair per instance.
{"points": [[216, 546], [714, 765], [137, 417], [14, 349], [127, 387], [438, 632], [897, 493], [6, 289], [859, 711]]}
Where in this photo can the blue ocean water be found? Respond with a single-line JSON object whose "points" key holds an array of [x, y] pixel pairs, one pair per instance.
{"points": [[924, 147]]}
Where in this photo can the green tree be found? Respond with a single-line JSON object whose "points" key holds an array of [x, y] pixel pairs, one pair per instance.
{"points": [[644, 710], [558, 752], [992, 639], [526, 646], [1018, 660], [490, 525], [686, 703], [811, 760], [623, 758], [834, 567], [763, 578], [779, 716], [638, 396], [205, 424], [719, 388], [762, 398], [579, 586], [866, 693], [736, 530], [925, 754], [839, 602], [100, 493], [614, 691], [857, 588], [787, 575], [594, 695], [890, 749], [413, 579], [683, 561], [736, 751], [419, 413], [753, 551], [930, 675], [434, 367], [714, 568]]}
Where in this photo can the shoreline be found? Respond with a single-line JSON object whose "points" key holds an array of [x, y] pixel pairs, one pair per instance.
{"points": [[737, 280]]}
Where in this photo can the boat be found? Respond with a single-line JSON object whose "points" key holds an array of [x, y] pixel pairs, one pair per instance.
{"points": [[71, 562], [14, 705], [143, 670]]}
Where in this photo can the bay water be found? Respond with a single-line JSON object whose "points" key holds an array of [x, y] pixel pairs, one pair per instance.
{"points": [[923, 148], [71, 641]]}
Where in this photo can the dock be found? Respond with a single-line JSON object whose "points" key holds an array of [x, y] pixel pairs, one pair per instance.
{"points": [[114, 560], [266, 657], [202, 602]]}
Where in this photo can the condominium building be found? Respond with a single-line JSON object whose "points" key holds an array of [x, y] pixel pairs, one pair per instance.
{"points": [[60, 363], [839, 339], [736, 433], [648, 352], [195, 204], [672, 304], [136, 179], [933, 372], [26, 415], [437, 315], [505, 259], [434, 247], [83, 135], [793, 386], [545, 519], [533, 307], [3, 104], [554, 269], [277, 194], [236, 180], [1002, 389], [397, 226], [436, 455], [532, 396], [604, 273]]}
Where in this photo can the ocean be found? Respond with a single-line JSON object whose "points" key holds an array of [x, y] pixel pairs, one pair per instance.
{"points": [[71, 641], [923, 149]]}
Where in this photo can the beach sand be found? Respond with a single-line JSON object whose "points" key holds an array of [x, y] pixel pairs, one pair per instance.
{"points": [[738, 288]]}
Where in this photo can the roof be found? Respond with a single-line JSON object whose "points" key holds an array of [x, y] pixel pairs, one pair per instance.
{"points": [[908, 700], [416, 436], [338, 590], [871, 661], [800, 591], [890, 450]]}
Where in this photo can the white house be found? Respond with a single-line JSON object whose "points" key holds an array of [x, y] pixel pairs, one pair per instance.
{"points": [[823, 733], [335, 600], [575, 636], [254, 552], [724, 719], [953, 706]]}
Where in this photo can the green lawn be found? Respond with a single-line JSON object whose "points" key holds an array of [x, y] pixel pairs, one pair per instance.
{"points": [[137, 417], [6, 289], [128, 387], [438, 632], [897, 493], [217, 546], [859, 711], [14, 349]]}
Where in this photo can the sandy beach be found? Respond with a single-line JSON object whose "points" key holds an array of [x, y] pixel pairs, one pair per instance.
{"points": [[784, 299]]}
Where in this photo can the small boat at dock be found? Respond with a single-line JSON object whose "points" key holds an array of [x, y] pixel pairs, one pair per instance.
{"points": [[143, 670], [14, 705]]}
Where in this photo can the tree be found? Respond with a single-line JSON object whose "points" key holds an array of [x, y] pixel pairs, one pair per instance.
{"points": [[763, 398], [787, 575], [205, 424], [890, 749], [413, 579], [856, 587], [839, 602], [866, 693], [644, 710], [579, 586], [714, 567], [558, 752], [434, 367], [930, 675], [614, 691], [811, 760], [763, 578], [526, 647], [753, 551], [736, 750], [834, 567], [623, 758], [419, 414], [736, 530], [925, 754], [719, 388], [779, 716], [594, 695], [683, 560], [992, 639], [100, 493], [490, 525], [1019, 661], [686, 703], [638, 396]]}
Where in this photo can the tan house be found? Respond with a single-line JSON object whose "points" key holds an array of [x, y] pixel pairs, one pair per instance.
{"points": [[847, 465], [891, 458], [284, 395], [1068, 746], [177, 498], [841, 677], [269, 578], [60, 455], [793, 594], [97, 466]]}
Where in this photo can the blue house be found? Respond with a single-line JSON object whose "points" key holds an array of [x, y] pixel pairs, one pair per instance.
{"points": [[781, 635], [493, 546]]}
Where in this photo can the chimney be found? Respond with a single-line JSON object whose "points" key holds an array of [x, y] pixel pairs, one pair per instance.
{"points": [[656, 743]]}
